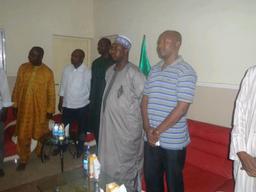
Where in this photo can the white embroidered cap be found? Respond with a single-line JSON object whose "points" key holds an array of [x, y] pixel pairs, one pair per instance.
{"points": [[124, 41]]}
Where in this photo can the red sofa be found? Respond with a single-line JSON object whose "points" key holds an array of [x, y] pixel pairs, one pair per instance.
{"points": [[207, 167], [9, 146], [10, 151]]}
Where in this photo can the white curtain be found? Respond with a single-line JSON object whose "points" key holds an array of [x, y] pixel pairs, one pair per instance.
{"points": [[2, 49]]}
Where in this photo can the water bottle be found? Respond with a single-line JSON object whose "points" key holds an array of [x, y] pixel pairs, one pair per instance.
{"points": [[55, 131], [61, 133], [57, 189], [86, 160], [97, 187]]}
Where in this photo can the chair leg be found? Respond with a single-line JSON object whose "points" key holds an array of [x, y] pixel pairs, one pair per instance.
{"points": [[42, 155]]}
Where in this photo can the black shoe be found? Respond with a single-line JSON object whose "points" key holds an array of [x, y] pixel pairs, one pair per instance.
{"points": [[21, 167], [78, 154], [44, 157], [55, 152], [2, 173]]}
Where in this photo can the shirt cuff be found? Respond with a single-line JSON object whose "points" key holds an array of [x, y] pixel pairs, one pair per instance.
{"points": [[237, 145], [7, 104], [61, 93]]}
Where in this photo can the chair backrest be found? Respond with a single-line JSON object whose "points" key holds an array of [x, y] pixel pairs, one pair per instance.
{"points": [[10, 120]]}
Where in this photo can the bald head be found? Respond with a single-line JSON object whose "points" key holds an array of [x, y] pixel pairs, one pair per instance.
{"points": [[104, 45], [105, 41], [168, 45], [35, 55], [172, 35], [77, 57], [80, 52]]}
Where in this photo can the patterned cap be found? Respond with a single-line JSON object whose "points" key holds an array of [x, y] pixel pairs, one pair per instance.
{"points": [[124, 41]]}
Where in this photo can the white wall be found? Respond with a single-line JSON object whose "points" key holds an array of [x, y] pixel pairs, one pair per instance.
{"points": [[213, 105], [219, 35], [218, 40], [33, 22]]}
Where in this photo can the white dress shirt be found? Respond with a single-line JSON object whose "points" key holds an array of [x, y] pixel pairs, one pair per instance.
{"points": [[5, 99], [75, 86]]}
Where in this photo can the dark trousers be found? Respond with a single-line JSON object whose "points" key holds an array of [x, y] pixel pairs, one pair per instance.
{"points": [[1, 144], [80, 116], [94, 121], [158, 161]]}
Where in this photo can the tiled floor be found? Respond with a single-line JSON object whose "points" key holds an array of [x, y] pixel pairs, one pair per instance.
{"points": [[35, 170]]}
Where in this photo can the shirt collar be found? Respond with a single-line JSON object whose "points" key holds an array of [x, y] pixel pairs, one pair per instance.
{"points": [[178, 60], [80, 68]]}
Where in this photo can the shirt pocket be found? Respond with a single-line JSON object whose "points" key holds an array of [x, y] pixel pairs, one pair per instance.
{"points": [[123, 96]]}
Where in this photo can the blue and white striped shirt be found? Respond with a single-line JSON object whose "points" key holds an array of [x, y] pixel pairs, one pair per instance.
{"points": [[164, 89]]}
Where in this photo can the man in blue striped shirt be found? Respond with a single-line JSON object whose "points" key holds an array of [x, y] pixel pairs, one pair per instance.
{"points": [[168, 93]]}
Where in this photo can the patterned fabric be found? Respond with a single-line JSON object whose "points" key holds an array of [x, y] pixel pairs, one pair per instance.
{"points": [[165, 88], [34, 97], [243, 137]]}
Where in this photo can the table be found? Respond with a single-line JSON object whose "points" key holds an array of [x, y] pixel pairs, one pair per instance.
{"points": [[73, 181], [49, 144]]}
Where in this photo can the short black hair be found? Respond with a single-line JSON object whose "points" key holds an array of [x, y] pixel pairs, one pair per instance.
{"points": [[80, 51], [106, 40], [40, 50]]}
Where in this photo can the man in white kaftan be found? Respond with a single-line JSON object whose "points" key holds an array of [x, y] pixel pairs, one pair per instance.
{"points": [[121, 131], [243, 138]]}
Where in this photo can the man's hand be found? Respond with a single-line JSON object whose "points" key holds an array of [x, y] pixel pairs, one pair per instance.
{"points": [[60, 107], [3, 114], [156, 134], [248, 163], [151, 136], [49, 115]]}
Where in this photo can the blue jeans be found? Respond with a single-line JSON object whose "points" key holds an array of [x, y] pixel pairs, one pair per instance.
{"points": [[158, 161]]}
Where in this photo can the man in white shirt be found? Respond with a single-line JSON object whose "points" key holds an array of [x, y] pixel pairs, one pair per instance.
{"points": [[243, 137], [74, 95], [5, 102]]}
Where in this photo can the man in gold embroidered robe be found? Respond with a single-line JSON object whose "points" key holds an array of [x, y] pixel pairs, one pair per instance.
{"points": [[34, 103]]}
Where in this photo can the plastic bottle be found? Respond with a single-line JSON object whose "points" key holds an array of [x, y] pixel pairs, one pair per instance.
{"points": [[61, 132], [55, 131], [86, 160], [67, 131]]}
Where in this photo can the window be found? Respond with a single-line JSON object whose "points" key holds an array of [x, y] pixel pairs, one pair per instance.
{"points": [[2, 50]]}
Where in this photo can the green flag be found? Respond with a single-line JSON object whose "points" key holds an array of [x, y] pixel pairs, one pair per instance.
{"points": [[144, 61]]}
